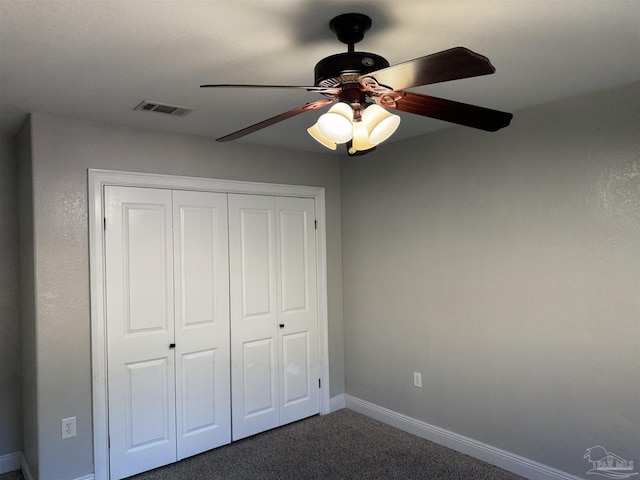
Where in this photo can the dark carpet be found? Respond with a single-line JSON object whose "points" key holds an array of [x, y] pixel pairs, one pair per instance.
{"points": [[17, 475], [342, 445]]}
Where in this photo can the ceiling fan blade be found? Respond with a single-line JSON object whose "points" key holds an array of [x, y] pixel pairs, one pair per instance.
{"points": [[327, 90], [452, 64], [278, 118], [447, 110]]}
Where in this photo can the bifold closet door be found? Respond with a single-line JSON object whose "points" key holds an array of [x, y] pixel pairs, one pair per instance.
{"points": [[140, 329], [202, 352], [297, 308], [274, 357], [167, 326]]}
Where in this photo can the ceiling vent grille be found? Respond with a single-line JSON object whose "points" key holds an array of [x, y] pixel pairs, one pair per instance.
{"points": [[174, 110]]}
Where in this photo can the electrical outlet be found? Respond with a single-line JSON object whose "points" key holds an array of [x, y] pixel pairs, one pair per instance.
{"points": [[68, 427], [417, 379]]}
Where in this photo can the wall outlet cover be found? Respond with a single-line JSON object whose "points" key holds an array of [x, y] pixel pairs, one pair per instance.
{"points": [[68, 427]]}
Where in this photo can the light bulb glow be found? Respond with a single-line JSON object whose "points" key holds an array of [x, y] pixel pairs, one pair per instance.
{"points": [[315, 133], [336, 124], [360, 138], [380, 124]]}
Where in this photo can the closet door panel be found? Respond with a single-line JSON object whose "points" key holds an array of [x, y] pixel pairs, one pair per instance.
{"points": [[203, 406], [145, 379], [297, 384], [296, 255], [254, 314], [258, 369], [140, 318]]}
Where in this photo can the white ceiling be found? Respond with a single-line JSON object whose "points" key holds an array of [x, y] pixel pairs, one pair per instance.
{"points": [[96, 60]]}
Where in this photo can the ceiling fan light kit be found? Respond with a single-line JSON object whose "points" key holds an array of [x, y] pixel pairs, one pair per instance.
{"points": [[339, 126], [361, 141], [363, 85], [336, 124], [316, 134], [379, 123]]}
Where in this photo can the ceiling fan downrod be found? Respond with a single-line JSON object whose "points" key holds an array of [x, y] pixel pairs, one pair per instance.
{"points": [[345, 68]]}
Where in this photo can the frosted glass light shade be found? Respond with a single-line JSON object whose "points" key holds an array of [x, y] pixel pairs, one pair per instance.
{"points": [[335, 125], [360, 140], [316, 134], [380, 124]]}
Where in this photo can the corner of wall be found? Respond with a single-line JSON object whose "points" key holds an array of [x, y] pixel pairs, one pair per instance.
{"points": [[27, 298], [10, 374]]}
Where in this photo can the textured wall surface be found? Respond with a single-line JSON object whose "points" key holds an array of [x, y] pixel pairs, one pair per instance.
{"points": [[63, 150], [506, 269]]}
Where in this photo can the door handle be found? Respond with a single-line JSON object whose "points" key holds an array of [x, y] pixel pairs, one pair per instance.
{"points": [[172, 345], [282, 325]]}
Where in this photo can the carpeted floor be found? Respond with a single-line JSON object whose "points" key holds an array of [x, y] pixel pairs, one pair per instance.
{"points": [[343, 445], [12, 476]]}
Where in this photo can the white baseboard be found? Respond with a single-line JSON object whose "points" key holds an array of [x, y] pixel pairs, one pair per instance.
{"points": [[25, 468], [500, 458], [10, 462], [337, 403]]}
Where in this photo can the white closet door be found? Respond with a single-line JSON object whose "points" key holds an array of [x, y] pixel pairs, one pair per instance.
{"points": [[254, 315], [298, 308], [203, 404], [140, 329], [274, 346]]}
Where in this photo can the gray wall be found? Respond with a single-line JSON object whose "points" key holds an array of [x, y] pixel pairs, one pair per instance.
{"points": [[505, 268], [10, 396], [62, 151]]}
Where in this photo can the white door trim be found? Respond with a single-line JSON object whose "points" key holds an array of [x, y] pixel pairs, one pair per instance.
{"points": [[97, 179]]}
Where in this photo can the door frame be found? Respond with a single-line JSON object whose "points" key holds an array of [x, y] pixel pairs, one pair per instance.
{"points": [[97, 180]]}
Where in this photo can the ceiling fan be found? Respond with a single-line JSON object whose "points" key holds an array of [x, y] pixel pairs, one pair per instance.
{"points": [[363, 85]]}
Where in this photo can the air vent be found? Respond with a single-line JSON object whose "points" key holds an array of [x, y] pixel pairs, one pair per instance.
{"points": [[147, 106]]}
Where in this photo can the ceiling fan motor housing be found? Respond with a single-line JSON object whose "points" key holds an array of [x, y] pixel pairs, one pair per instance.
{"points": [[346, 68]]}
